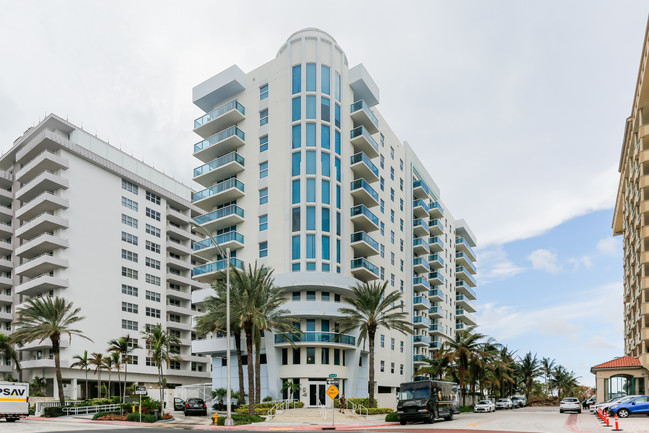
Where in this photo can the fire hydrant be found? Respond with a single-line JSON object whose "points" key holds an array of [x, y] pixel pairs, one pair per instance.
{"points": [[215, 418]]}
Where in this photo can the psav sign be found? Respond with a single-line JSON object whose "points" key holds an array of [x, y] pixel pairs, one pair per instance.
{"points": [[12, 392]]}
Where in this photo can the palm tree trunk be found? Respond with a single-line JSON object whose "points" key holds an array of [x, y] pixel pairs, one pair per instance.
{"points": [[371, 375], [237, 345], [161, 389], [258, 370], [119, 383], [87, 384], [125, 374], [57, 366], [251, 380], [109, 382], [99, 382]]}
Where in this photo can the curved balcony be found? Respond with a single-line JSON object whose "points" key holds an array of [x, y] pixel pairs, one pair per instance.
{"points": [[363, 219], [420, 209], [208, 250], [364, 270], [363, 193], [435, 261], [420, 303], [325, 338], [41, 265], [436, 295], [420, 284], [220, 143], [420, 340], [208, 272], [41, 284], [419, 228], [46, 202], [364, 245], [420, 265], [221, 168], [435, 278], [436, 209], [420, 322], [434, 345], [419, 359], [362, 140], [363, 167], [225, 191], [463, 260], [462, 245], [420, 246], [435, 312], [420, 189], [225, 217], [436, 227], [221, 117], [463, 274], [362, 115], [436, 244]]}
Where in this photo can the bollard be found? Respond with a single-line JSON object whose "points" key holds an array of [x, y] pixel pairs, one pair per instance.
{"points": [[617, 427]]}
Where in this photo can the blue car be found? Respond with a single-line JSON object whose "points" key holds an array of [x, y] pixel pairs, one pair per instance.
{"points": [[638, 405]]}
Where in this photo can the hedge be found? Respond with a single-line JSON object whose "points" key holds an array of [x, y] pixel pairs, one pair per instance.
{"points": [[241, 419], [145, 417], [263, 408], [362, 401], [392, 417], [377, 410], [100, 414], [52, 412]]}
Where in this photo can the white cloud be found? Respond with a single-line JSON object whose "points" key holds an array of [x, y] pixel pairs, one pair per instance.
{"points": [[495, 265], [579, 262], [544, 260], [610, 246]]}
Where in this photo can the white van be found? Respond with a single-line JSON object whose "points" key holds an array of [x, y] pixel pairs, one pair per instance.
{"points": [[14, 400]]}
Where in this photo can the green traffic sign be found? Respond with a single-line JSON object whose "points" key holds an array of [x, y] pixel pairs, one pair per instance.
{"points": [[333, 375]]}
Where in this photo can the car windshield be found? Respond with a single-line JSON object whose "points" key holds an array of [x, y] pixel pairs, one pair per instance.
{"points": [[502, 400], [484, 402], [195, 400], [624, 399], [414, 393], [570, 400]]}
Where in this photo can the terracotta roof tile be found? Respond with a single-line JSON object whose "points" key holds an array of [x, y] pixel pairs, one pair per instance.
{"points": [[623, 361]]}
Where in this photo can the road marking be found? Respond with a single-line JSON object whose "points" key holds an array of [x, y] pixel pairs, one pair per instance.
{"points": [[478, 423]]}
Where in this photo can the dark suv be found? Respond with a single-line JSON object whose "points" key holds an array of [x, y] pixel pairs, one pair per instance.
{"points": [[195, 405]]}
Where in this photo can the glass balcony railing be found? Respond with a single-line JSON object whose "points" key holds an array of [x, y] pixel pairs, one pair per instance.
{"points": [[467, 258], [420, 339], [361, 131], [219, 111], [436, 223], [361, 157], [466, 273], [419, 241], [421, 319], [436, 310], [218, 188], [421, 261], [436, 205], [220, 239], [435, 328], [420, 203], [436, 240], [362, 210], [216, 266], [421, 280], [219, 162], [316, 337], [462, 298], [463, 241], [465, 286], [435, 345], [362, 262], [436, 257], [421, 300], [364, 237], [437, 275], [219, 136], [219, 213], [418, 358], [421, 184], [421, 223], [362, 183], [361, 105], [436, 292]]}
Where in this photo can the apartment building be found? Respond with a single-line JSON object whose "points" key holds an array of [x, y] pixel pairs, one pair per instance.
{"points": [[631, 220], [300, 172], [83, 220]]}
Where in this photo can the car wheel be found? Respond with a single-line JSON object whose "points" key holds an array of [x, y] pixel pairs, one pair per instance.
{"points": [[560, 410], [449, 417], [623, 413], [11, 419], [402, 422], [579, 411], [185, 412]]}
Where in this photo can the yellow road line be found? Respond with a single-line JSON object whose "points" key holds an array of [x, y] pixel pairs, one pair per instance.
{"points": [[477, 423]]}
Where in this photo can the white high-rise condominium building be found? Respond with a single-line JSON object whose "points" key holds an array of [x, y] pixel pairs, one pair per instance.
{"points": [[83, 220], [302, 173]]}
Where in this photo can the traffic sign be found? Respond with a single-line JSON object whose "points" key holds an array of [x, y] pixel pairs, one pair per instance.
{"points": [[333, 375], [332, 382], [140, 389], [332, 392]]}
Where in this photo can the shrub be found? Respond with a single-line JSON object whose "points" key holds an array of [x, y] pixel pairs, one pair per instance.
{"points": [[52, 412], [268, 398], [464, 409], [392, 417], [98, 401], [377, 410], [146, 417], [110, 417], [241, 419], [362, 401]]}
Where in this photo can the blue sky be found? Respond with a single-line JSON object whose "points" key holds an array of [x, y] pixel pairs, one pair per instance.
{"points": [[558, 294]]}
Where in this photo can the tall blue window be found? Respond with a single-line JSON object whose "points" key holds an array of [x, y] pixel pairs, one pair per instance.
{"points": [[263, 92], [337, 118], [310, 107], [310, 190], [338, 251], [337, 142], [338, 223], [297, 136], [297, 108], [325, 248], [310, 134], [296, 247], [263, 170], [337, 85], [326, 194], [263, 223], [326, 164], [338, 196], [296, 191], [263, 249], [325, 79], [310, 325], [263, 196], [297, 79], [310, 77], [325, 137], [296, 219], [263, 143], [310, 246], [297, 159], [325, 109], [326, 226], [310, 162], [337, 165], [310, 218], [263, 117]]}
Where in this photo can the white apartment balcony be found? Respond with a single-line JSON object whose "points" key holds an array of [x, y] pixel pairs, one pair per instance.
{"points": [[315, 309], [6, 368], [181, 294], [46, 202], [436, 312], [6, 265], [212, 345], [177, 216], [6, 248], [181, 326], [364, 270], [420, 190], [6, 214], [185, 265], [421, 322], [6, 230], [225, 217], [41, 224], [328, 339], [461, 245], [41, 265], [364, 245], [462, 259], [363, 193], [436, 227], [464, 289], [362, 115], [362, 141], [6, 196], [420, 246], [40, 285], [208, 250], [220, 118], [178, 248], [181, 233], [46, 181], [45, 344], [46, 161], [420, 265], [208, 272], [420, 209], [178, 279], [5, 316], [463, 274], [436, 295], [420, 340], [222, 167], [463, 302], [363, 219], [435, 261], [435, 209], [420, 284], [222, 192], [5, 299], [219, 144], [436, 329], [180, 310], [419, 228], [420, 303], [436, 245], [465, 317], [43, 363], [419, 359], [435, 278], [363, 167], [5, 282]]}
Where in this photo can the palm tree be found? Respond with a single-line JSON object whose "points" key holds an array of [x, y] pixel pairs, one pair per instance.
{"points": [[529, 370], [370, 308], [219, 394], [436, 367], [8, 352], [547, 367], [109, 365], [82, 363], [38, 384], [564, 381], [461, 352], [291, 387], [124, 346], [117, 363], [97, 359], [159, 348], [46, 317]]}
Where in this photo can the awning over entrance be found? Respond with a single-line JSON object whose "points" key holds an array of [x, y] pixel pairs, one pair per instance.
{"points": [[619, 377]]}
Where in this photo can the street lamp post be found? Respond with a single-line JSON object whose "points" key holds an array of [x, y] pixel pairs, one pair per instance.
{"points": [[228, 419]]}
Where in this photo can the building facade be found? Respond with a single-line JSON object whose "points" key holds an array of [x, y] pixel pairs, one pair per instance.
{"points": [[83, 220], [301, 173], [631, 219]]}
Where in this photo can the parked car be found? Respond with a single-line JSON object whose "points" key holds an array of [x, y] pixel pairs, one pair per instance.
{"points": [[606, 405], [484, 406], [195, 405], [570, 404], [636, 405], [519, 401], [590, 402], [179, 403], [593, 407], [504, 403]]}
